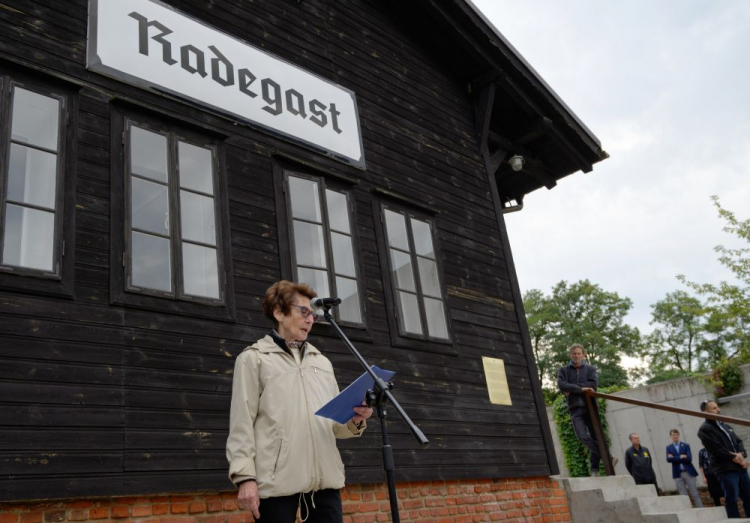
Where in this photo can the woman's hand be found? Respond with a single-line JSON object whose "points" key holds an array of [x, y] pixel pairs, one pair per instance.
{"points": [[248, 498], [363, 413]]}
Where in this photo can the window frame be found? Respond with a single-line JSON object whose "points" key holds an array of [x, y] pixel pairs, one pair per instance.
{"points": [[340, 184], [399, 336], [59, 281], [122, 292]]}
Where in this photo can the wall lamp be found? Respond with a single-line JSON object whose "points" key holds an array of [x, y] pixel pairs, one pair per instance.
{"points": [[516, 162]]}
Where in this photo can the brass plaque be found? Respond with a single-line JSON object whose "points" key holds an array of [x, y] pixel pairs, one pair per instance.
{"points": [[497, 383]]}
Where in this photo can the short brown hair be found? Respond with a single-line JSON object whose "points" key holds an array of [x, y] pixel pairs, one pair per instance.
{"points": [[674, 431], [576, 346], [281, 294]]}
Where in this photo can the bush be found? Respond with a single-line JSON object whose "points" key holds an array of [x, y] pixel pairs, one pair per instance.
{"points": [[727, 378]]}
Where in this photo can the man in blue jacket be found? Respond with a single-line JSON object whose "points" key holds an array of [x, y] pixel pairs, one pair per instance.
{"points": [[574, 380], [683, 471]]}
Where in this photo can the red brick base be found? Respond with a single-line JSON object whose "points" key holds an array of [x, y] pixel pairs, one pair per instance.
{"points": [[537, 500]]}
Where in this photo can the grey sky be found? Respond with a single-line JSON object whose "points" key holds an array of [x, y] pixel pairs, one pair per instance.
{"points": [[665, 86]]}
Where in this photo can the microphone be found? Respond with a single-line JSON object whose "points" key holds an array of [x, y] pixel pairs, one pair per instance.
{"points": [[324, 303]]}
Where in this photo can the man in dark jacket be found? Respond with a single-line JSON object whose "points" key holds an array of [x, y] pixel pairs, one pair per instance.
{"points": [[638, 462], [574, 380], [727, 460], [709, 478]]}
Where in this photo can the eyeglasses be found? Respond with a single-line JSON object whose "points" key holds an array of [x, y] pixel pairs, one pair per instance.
{"points": [[305, 312]]}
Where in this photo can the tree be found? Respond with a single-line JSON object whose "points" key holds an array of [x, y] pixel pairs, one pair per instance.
{"points": [[540, 317], [728, 304], [676, 346], [582, 313]]}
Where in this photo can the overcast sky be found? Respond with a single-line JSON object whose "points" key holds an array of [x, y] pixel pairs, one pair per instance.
{"points": [[665, 86]]}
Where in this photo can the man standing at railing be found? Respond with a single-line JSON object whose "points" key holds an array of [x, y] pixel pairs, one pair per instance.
{"points": [[727, 460], [574, 380]]}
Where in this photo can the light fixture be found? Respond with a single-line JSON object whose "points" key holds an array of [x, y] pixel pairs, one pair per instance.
{"points": [[516, 162]]}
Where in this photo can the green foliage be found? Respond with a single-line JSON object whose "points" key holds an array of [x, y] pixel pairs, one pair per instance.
{"points": [[550, 395], [676, 346], [728, 304], [727, 378], [577, 455], [662, 374], [581, 313]]}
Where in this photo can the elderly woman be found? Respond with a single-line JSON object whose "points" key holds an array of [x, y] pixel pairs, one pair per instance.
{"points": [[281, 455]]}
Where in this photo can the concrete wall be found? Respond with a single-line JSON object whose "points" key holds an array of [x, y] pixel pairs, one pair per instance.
{"points": [[654, 425]]}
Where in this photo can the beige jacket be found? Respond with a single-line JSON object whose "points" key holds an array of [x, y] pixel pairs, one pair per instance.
{"points": [[274, 435]]}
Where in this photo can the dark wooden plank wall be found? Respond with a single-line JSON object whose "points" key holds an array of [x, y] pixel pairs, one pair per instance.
{"points": [[96, 399]]}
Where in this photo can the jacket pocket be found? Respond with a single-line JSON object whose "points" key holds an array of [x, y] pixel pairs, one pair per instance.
{"points": [[277, 461]]}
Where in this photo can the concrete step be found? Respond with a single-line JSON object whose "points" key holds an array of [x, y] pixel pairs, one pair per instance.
{"points": [[664, 504], [694, 515], [577, 484], [632, 491]]}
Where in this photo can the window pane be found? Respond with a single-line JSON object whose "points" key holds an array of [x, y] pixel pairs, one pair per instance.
{"points": [[435, 318], [152, 267], [343, 255], [338, 211], [305, 199], [422, 238], [32, 176], [409, 312], [35, 119], [318, 280], [196, 169], [308, 244], [200, 271], [346, 289], [198, 218], [428, 277], [29, 238], [150, 206], [403, 275], [148, 154], [396, 230]]}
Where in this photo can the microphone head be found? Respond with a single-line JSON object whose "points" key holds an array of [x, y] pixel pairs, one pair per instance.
{"points": [[325, 303]]}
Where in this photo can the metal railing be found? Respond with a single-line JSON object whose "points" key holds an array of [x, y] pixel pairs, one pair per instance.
{"points": [[599, 429]]}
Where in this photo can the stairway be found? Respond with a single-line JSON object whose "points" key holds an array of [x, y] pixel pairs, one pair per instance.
{"points": [[617, 499]]}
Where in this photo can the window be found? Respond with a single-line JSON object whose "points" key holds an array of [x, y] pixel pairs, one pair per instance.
{"points": [[322, 241], [414, 274], [32, 174], [172, 220]]}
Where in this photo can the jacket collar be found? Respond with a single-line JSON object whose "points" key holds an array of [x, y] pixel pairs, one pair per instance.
{"points": [[269, 344]]}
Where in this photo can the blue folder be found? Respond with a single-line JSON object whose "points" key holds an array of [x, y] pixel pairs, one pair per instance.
{"points": [[341, 407]]}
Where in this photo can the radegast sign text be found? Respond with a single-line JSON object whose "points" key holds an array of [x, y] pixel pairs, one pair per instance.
{"points": [[150, 44]]}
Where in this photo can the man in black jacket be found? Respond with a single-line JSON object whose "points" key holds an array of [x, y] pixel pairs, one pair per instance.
{"points": [[638, 462], [573, 380], [727, 460]]}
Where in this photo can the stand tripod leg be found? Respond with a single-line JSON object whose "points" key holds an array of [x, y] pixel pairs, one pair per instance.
{"points": [[389, 465]]}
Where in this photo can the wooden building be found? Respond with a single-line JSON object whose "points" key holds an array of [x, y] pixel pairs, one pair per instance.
{"points": [[164, 163]]}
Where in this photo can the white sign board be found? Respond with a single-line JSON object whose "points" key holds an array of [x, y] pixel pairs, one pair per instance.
{"points": [[151, 45]]}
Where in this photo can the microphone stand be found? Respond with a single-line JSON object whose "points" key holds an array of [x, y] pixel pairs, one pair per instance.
{"points": [[378, 398]]}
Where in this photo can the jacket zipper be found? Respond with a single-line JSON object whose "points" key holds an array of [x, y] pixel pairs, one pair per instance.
{"points": [[309, 425], [278, 455]]}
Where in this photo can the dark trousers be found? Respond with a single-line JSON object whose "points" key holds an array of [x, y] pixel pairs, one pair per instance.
{"points": [[714, 488], [735, 485], [283, 509], [584, 430]]}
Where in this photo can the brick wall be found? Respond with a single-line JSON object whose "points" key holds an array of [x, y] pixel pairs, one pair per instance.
{"points": [[537, 500]]}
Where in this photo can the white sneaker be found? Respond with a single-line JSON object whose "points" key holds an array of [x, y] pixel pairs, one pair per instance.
{"points": [[595, 473]]}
